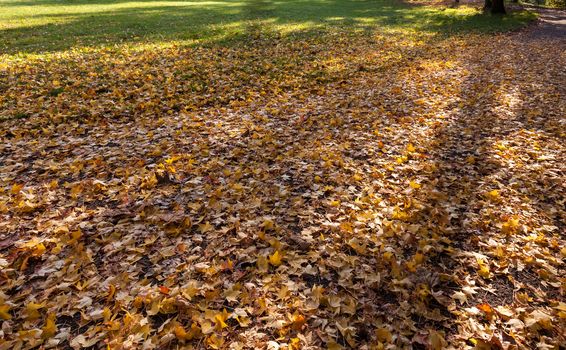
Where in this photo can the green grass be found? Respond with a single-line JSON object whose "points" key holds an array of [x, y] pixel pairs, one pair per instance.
{"points": [[34, 26]]}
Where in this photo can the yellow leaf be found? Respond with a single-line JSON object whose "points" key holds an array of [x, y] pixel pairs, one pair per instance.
{"points": [[483, 270], [31, 311], [383, 335], [180, 332], [262, 304], [510, 226], [275, 258], [111, 292], [493, 195], [4, 312], [194, 332], [75, 236], [50, 328], [401, 160], [334, 203], [106, 313], [411, 148], [524, 297], [419, 258], [190, 290], [220, 319], [346, 226], [16, 188], [415, 185], [295, 344], [38, 250], [411, 266], [215, 341]]}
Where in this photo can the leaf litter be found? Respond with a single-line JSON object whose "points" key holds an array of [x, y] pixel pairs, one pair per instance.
{"points": [[368, 192]]}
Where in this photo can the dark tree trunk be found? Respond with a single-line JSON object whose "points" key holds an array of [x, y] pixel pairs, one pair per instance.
{"points": [[487, 5], [498, 6]]}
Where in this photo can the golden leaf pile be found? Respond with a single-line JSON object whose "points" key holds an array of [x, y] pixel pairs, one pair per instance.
{"points": [[347, 191]]}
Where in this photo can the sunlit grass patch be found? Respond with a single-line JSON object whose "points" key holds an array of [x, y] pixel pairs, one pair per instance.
{"points": [[50, 25]]}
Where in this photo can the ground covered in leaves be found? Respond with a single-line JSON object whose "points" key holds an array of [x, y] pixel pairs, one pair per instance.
{"points": [[364, 191]]}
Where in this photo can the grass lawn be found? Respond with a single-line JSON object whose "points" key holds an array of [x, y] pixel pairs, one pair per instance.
{"points": [[50, 25]]}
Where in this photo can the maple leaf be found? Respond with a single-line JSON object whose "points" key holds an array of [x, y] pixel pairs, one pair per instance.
{"points": [[414, 185], [493, 195], [275, 259], [232, 294], [298, 321], [510, 226], [463, 298], [220, 319], [32, 310], [50, 328], [206, 227], [539, 318], [214, 341], [504, 311]]}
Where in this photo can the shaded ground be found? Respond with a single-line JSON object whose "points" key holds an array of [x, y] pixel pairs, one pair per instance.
{"points": [[352, 190], [551, 24]]}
